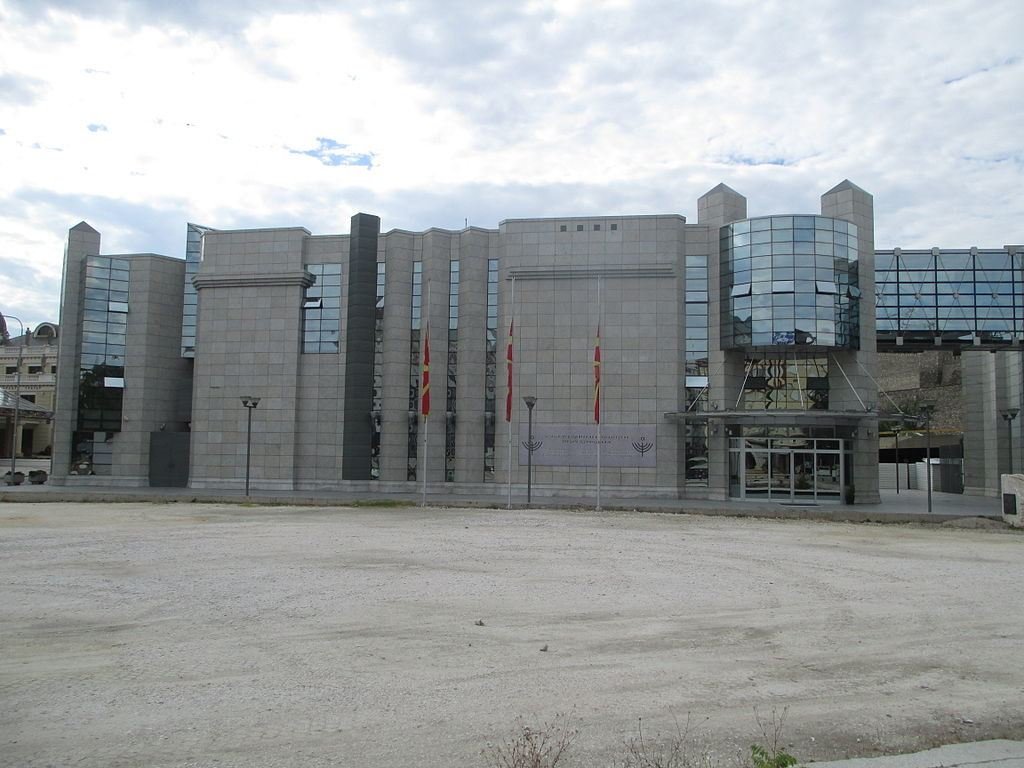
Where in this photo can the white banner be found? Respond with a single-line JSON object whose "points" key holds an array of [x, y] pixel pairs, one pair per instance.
{"points": [[575, 445]]}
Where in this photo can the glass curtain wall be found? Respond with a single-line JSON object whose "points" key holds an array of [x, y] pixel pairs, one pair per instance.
{"points": [[786, 383], [414, 367], [490, 369], [101, 377], [452, 371], [790, 281], [321, 310], [696, 330], [189, 317], [955, 295], [377, 405]]}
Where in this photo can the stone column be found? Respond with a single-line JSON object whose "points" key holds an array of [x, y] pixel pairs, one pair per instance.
{"points": [[716, 208], [849, 202], [83, 241]]}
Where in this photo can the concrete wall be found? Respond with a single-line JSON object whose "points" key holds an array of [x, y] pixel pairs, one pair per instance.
{"points": [[918, 477], [1014, 486]]}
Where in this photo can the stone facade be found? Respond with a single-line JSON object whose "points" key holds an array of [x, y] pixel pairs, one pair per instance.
{"points": [[37, 352], [338, 369], [157, 380]]}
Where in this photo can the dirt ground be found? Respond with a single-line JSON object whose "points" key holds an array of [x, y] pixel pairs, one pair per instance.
{"points": [[200, 635]]}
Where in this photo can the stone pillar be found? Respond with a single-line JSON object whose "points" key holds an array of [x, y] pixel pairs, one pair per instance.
{"points": [[849, 202], [716, 208], [473, 253], [83, 241], [401, 249], [439, 248], [980, 414], [358, 333]]}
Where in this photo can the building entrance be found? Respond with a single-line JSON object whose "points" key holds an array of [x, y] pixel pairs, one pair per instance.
{"points": [[786, 469]]}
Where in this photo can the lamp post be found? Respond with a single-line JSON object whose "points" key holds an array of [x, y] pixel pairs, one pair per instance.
{"points": [[250, 404], [896, 432], [530, 401], [927, 409], [1009, 414], [17, 399]]}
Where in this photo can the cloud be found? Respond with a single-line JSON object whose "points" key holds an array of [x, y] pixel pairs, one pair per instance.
{"points": [[1005, 63], [19, 90], [744, 160], [26, 290], [330, 152], [432, 112], [125, 225], [197, 15]]}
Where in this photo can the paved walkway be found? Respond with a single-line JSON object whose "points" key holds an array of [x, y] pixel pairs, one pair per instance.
{"points": [[980, 754], [905, 506]]}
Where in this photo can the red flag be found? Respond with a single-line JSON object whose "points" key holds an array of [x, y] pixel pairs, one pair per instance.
{"points": [[425, 387], [508, 365], [597, 376]]}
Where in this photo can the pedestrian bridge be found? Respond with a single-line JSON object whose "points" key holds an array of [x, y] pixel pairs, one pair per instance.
{"points": [[954, 299]]}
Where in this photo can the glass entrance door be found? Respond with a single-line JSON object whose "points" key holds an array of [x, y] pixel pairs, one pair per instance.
{"points": [[828, 475], [780, 481], [803, 475], [772, 469], [756, 473]]}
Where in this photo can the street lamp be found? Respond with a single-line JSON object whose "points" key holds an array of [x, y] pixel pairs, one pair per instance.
{"points": [[250, 404], [1009, 414], [17, 399], [531, 446], [927, 409], [896, 431]]}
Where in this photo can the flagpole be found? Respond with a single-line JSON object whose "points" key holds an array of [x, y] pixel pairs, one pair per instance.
{"points": [[508, 396], [425, 349], [600, 308]]}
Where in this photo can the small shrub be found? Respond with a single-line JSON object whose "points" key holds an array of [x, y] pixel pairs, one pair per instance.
{"points": [[683, 750], [529, 747], [771, 754], [762, 758]]}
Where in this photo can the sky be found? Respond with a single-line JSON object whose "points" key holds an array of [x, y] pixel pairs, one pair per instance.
{"points": [[139, 117]]}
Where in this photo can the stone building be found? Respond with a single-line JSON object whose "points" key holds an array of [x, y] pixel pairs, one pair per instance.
{"points": [[37, 352], [738, 356]]}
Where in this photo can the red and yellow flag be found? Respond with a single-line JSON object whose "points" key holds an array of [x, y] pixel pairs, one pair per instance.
{"points": [[508, 366], [425, 387], [597, 376]]}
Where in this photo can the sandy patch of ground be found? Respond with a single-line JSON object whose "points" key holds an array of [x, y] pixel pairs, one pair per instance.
{"points": [[200, 635]]}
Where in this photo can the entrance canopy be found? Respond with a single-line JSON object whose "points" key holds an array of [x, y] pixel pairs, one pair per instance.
{"points": [[781, 417]]}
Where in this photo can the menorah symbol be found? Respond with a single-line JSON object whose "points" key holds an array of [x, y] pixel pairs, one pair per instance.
{"points": [[532, 446], [642, 446]]}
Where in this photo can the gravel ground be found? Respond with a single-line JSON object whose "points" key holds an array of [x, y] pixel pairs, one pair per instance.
{"points": [[202, 635]]}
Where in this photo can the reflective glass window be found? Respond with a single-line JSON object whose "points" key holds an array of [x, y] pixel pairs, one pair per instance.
{"points": [[321, 310], [798, 264]]}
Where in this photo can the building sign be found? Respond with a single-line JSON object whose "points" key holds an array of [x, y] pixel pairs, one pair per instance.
{"points": [[575, 445]]}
